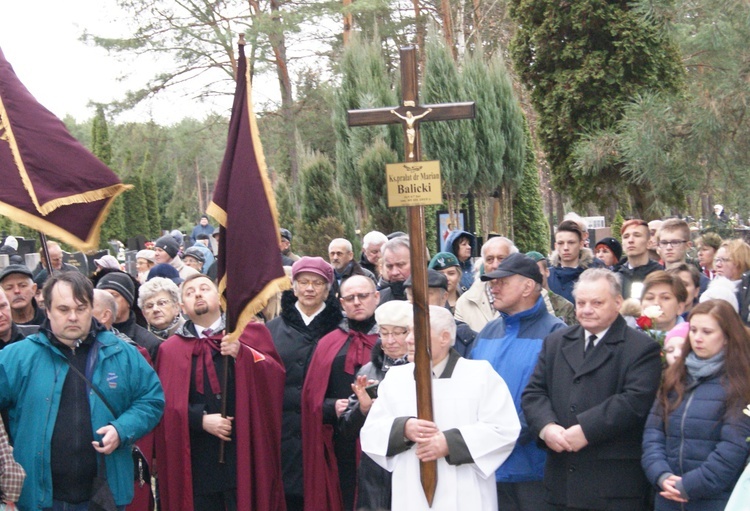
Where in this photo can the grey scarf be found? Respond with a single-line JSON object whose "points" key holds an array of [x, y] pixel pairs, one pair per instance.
{"points": [[702, 368]]}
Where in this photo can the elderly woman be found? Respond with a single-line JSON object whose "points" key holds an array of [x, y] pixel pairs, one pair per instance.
{"points": [[694, 443], [144, 261], [732, 260], [159, 299], [394, 319]]}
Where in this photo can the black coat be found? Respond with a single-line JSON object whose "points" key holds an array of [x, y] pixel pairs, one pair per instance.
{"points": [[296, 343], [140, 335], [373, 481], [609, 393]]}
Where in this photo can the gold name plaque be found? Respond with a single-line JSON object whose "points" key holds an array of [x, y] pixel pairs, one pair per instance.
{"points": [[414, 184]]}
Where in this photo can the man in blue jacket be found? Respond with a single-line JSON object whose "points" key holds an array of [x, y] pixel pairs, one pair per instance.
{"points": [[60, 426], [511, 343]]}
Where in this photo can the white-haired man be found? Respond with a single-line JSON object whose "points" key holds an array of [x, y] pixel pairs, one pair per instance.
{"points": [[475, 427], [474, 307], [372, 242]]}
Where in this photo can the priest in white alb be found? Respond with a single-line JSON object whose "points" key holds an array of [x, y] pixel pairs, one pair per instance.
{"points": [[475, 428]]}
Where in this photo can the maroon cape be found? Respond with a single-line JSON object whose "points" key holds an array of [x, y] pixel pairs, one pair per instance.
{"points": [[320, 472], [259, 376]]}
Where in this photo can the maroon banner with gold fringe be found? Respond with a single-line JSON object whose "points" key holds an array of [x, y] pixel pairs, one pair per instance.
{"points": [[49, 181], [249, 260]]}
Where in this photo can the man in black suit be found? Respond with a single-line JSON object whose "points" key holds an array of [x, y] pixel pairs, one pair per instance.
{"points": [[588, 399]]}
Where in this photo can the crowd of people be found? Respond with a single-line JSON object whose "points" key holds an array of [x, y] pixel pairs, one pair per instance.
{"points": [[609, 374]]}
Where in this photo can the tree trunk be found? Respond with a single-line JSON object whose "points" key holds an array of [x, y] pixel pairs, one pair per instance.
{"points": [[559, 207], [347, 22], [445, 16], [475, 17], [420, 35], [199, 188], [278, 45], [460, 32]]}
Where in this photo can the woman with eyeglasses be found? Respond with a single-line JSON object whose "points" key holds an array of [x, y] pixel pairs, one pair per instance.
{"points": [[694, 443], [732, 261], [159, 300], [394, 319]]}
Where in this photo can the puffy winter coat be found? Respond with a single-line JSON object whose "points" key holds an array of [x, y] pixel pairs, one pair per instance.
{"points": [[699, 444]]}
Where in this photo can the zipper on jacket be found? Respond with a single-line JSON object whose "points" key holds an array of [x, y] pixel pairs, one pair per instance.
{"points": [[682, 429]]}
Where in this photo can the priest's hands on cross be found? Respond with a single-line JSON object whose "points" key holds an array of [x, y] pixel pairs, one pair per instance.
{"points": [[218, 426], [431, 443]]}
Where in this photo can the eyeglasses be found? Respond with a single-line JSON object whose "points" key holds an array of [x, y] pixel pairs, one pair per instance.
{"points": [[396, 334], [161, 303], [721, 260], [360, 296], [317, 284], [671, 243]]}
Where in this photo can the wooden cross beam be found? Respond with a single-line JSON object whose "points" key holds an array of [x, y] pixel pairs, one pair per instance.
{"points": [[410, 114]]}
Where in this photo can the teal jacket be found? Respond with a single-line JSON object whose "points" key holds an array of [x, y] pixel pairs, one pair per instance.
{"points": [[32, 373]]}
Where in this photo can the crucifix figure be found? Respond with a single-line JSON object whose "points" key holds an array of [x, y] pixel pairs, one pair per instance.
{"points": [[409, 115]]}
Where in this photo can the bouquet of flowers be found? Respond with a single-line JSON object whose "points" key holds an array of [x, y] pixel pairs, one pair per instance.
{"points": [[646, 323]]}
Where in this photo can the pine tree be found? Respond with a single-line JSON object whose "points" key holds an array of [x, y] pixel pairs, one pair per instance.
{"points": [[321, 207], [151, 193], [582, 61], [114, 225], [452, 143], [617, 225], [136, 218], [530, 228], [372, 165]]}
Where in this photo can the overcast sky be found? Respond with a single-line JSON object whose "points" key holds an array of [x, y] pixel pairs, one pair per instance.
{"points": [[40, 39]]}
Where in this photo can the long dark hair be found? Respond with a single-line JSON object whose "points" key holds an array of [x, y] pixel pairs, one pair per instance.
{"points": [[736, 361]]}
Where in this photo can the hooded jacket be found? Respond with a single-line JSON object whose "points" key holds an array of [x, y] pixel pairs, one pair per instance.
{"points": [[467, 267]]}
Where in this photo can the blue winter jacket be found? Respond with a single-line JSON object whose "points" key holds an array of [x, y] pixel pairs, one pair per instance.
{"points": [[511, 344], [32, 373], [698, 444], [467, 268]]}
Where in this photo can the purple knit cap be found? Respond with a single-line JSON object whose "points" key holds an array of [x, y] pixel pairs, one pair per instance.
{"points": [[316, 265]]}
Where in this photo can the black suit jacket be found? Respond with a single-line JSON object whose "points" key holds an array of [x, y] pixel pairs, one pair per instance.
{"points": [[609, 393]]}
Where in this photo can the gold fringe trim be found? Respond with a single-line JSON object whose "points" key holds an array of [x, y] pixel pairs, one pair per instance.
{"points": [[54, 231], [218, 213], [50, 206], [256, 305], [258, 147], [90, 196]]}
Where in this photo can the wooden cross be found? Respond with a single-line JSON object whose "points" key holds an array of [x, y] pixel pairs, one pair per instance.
{"points": [[410, 114]]}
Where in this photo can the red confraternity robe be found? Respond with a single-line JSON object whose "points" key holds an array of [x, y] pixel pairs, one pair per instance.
{"points": [[259, 384]]}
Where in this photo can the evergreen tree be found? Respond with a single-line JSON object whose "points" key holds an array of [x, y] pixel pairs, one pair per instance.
{"points": [[372, 164], [452, 143], [114, 225], [151, 192], [491, 144], [617, 226], [321, 207], [365, 83], [136, 219], [582, 61], [285, 203], [530, 228]]}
